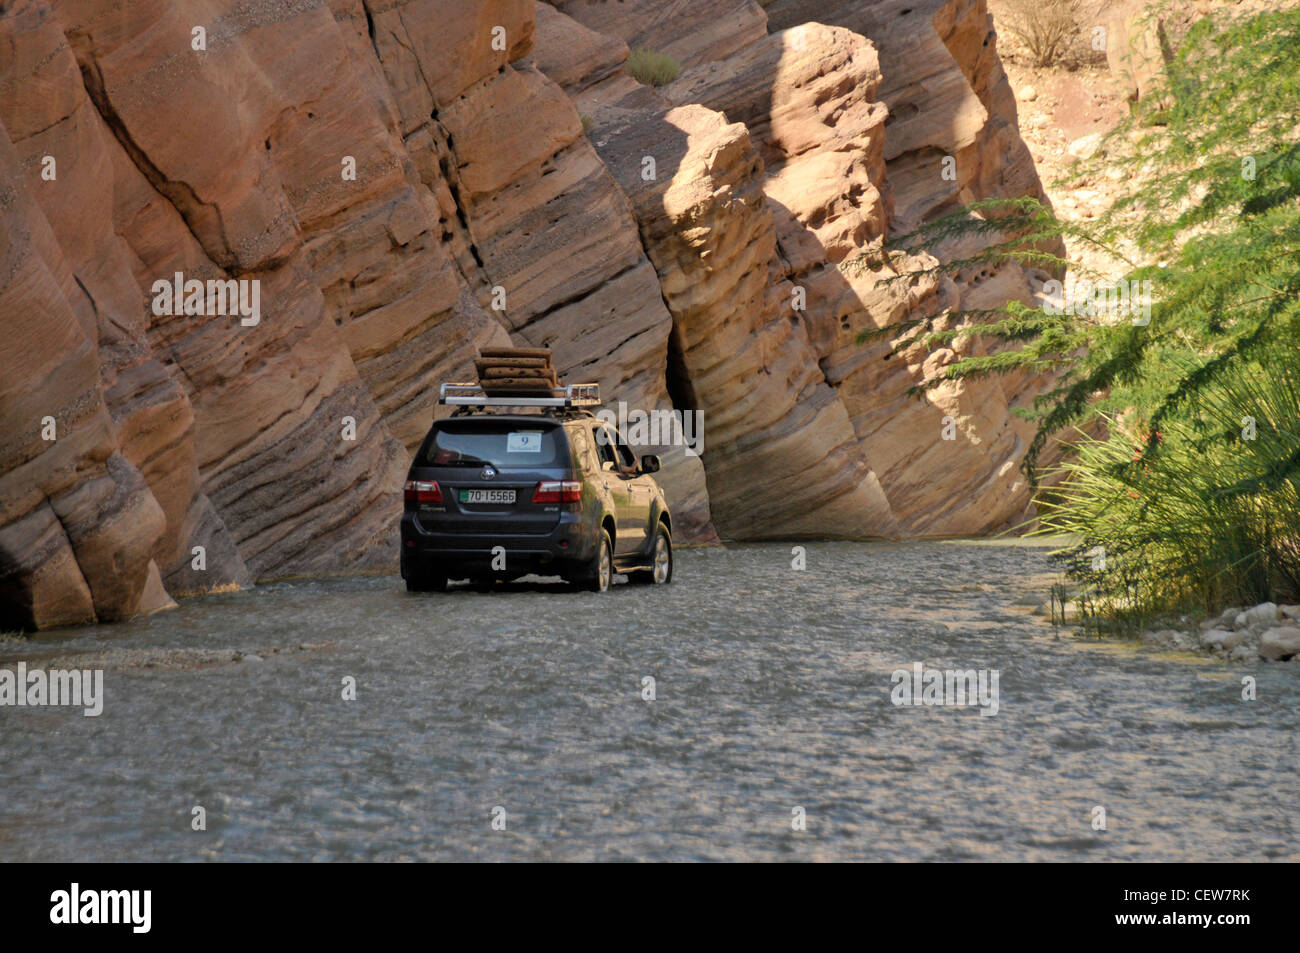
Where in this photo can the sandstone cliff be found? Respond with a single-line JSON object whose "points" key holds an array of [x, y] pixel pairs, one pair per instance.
{"points": [[408, 181]]}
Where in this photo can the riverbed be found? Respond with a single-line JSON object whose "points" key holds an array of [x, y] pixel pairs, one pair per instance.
{"points": [[518, 724]]}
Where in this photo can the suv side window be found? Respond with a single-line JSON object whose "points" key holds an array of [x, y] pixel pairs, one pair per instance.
{"points": [[625, 458], [605, 447]]}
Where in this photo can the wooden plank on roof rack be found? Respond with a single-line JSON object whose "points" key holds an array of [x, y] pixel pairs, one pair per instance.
{"points": [[521, 388], [509, 352], [536, 383], [534, 362], [486, 372]]}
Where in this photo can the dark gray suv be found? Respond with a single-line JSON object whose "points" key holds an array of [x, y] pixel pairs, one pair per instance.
{"points": [[556, 492]]}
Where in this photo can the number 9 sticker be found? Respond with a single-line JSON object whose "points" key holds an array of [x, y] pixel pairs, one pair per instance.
{"points": [[524, 441]]}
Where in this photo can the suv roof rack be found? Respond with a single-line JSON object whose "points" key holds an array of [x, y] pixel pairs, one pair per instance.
{"points": [[568, 397]]}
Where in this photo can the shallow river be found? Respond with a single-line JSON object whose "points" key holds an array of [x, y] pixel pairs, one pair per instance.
{"points": [[772, 692]]}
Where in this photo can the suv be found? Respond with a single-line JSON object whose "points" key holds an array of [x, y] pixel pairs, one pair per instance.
{"points": [[498, 496]]}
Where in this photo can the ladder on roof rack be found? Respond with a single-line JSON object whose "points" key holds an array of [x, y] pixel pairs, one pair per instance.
{"points": [[568, 396]]}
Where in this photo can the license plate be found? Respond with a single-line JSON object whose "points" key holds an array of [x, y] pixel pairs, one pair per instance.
{"points": [[487, 496]]}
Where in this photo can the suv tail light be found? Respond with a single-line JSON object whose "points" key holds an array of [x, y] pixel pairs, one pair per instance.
{"points": [[421, 491], [558, 491]]}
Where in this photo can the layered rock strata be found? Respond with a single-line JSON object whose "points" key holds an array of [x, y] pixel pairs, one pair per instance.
{"points": [[391, 186]]}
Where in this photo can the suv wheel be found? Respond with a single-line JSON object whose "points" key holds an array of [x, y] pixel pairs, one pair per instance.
{"points": [[599, 574], [419, 580], [661, 561]]}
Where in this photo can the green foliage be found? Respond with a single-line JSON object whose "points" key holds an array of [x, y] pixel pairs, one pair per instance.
{"points": [[1195, 515], [1210, 518], [651, 68]]}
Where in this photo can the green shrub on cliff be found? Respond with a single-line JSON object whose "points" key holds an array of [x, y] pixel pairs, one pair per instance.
{"points": [[651, 68], [1187, 510]]}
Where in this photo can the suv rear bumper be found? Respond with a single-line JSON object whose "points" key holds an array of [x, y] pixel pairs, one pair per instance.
{"points": [[460, 555]]}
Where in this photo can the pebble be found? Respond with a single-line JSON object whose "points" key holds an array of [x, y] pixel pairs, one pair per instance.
{"points": [[1238, 634], [1086, 147]]}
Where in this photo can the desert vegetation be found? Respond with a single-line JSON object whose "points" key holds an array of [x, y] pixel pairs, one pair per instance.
{"points": [[651, 68], [1181, 484]]}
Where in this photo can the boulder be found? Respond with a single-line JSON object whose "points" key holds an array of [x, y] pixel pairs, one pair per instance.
{"points": [[1085, 147], [1220, 639], [1264, 614], [1166, 639], [1280, 643], [1228, 618], [1137, 50]]}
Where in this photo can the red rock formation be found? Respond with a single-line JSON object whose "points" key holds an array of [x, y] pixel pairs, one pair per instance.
{"points": [[688, 32], [407, 182], [834, 171]]}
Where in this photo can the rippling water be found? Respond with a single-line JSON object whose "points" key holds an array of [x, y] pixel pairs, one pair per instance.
{"points": [[772, 693]]}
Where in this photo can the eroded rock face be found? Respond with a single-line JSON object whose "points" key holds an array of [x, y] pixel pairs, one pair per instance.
{"points": [[947, 96], [551, 237], [408, 182], [688, 32], [780, 453], [78, 525], [808, 99]]}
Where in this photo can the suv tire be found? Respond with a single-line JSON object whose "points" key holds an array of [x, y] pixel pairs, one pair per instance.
{"points": [[660, 572], [598, 575]]}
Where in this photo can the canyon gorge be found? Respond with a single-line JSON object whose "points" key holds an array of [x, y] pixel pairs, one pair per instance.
{"points": [[411, 180]]}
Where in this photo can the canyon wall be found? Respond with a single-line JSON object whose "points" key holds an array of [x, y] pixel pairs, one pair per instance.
{"points": [[402, 183]]}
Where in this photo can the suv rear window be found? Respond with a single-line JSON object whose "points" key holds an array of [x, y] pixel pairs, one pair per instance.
{"points": [[476, 442]]}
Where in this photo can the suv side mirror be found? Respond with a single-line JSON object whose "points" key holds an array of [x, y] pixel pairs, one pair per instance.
{"points": [[650, 463]]}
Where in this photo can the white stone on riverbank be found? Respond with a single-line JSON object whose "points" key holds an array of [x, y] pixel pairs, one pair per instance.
{"points": [[1170, 639], [1265, 612], [1279, 643], [1238, 634], [1220, 639]]}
